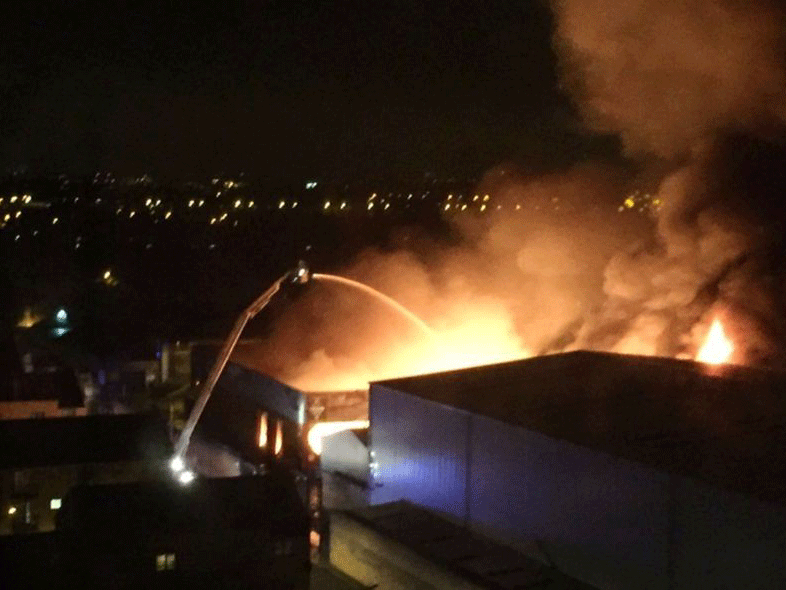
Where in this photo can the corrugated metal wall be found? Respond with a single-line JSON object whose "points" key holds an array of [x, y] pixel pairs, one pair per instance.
{"points": [[608, 521], [421, 444], [600, 519]]}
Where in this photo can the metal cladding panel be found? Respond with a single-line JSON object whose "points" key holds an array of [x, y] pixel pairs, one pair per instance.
{"points": [[601, 519], [264, 393], [420, 449], [727, 540]]}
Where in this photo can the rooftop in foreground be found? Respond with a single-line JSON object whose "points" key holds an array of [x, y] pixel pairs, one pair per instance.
{"points": [[470, 557], [48, 442], [725, 425]]}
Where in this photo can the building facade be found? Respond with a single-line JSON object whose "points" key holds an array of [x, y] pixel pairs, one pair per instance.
{"points": [[42, 459], [621, 471]]}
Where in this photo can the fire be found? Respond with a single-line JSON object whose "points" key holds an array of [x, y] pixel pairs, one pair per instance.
{"points": [[717, 348], [279, 442], [263, 430], [481, 336]]}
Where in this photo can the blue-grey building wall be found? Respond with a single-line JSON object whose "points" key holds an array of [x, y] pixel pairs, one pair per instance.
{"points": [[608, 521], [419, 443]]}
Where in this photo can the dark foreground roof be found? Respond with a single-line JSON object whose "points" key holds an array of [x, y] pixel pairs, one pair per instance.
{"points": [[724, 425], [467, 554], [59, 384], [79, 440], [264, 502]]}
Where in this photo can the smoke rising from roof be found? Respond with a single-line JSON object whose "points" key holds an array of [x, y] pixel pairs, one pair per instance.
{"points": [[688, 80], [693, 87]]}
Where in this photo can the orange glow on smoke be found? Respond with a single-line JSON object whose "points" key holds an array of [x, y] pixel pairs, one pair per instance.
{"points": [[717, 347], [481, 336], [322, 429]]}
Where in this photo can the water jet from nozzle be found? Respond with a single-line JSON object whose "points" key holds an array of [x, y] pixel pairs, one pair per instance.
{"points": [[389, 301]]}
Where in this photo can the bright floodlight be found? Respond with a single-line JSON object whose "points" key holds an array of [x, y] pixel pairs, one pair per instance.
{"points": [[61, 315], [177, 464], [186, 477]]}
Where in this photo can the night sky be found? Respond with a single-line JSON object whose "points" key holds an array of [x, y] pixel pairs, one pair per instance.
{"points": [[281, 90]]}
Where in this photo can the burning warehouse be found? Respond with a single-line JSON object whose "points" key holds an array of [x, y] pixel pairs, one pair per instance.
{"points": [[621, 471], [253, 417]]}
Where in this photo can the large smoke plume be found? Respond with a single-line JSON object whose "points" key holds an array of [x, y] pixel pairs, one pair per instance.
{"points": [[693, 87], [688, 80], [666, 75]]}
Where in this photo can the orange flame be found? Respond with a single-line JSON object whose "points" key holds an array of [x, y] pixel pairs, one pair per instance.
{"points": [[482, 335], [263, 430], [717, 348], [279, 443]]}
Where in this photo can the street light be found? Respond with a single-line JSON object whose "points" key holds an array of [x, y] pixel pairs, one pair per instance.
{"points": [[299, 275]]}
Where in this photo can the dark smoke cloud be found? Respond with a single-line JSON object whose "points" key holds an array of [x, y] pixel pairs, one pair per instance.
{"points": [[665, 75], [688, 80]]}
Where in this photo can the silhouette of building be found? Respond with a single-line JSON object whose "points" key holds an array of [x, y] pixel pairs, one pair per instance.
{"points": [[627, 472]]}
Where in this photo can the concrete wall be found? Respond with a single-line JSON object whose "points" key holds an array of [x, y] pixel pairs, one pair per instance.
{"points": [[607, 521]]}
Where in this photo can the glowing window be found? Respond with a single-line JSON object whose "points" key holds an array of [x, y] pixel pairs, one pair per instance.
{"points": [[165, 561], [262, 439], [55, 503]]}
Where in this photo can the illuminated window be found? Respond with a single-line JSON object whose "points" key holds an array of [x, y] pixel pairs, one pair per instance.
{"points": [[55, 503], [279, 442], [262, 430], [165, 561]]}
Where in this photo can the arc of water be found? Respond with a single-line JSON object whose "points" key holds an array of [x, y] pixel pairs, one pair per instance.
{"points": [[389, 301]]}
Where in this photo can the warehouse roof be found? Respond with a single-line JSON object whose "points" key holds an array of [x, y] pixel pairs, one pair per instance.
{"points": [[47, 442], [725, 425], [59, 384], [270, 502]]}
